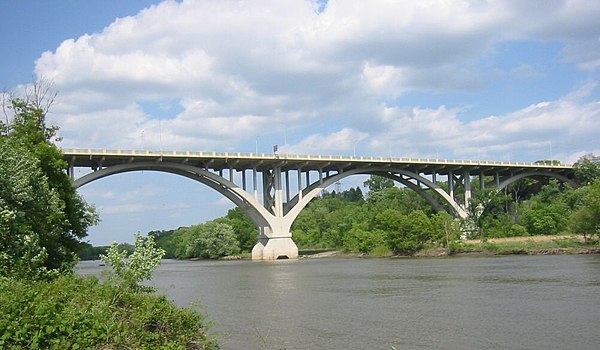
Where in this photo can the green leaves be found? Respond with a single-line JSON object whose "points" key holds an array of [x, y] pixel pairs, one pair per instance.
{"points": [[405, 234], [130, 271], [210, 240], [30, 214], [42, 218], [587, 169], [392, 219], [80, 313], [586, 219]]}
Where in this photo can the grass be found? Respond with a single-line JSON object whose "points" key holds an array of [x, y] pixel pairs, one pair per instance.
{"points": [[523, 245]]}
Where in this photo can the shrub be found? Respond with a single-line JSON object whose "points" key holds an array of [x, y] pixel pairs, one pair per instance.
{"points": [[78, 313], [129, 271]]}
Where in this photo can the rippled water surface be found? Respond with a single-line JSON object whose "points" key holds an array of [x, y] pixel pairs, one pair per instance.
{"points": [[513, 302]]}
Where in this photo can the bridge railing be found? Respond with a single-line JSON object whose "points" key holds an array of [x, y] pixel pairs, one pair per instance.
{"points": [[268, 156]]}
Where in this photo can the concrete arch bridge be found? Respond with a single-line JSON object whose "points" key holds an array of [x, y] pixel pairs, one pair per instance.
{"points": [[272, 189]]}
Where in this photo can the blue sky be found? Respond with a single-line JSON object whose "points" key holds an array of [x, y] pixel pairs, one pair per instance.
{"points": [[497, 80]]}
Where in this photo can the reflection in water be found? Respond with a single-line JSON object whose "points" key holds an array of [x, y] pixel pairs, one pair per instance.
{"points": [[542, 302]]}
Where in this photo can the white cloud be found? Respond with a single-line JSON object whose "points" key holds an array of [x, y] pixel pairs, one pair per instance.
{"points": [[336, 142], [241, 69], [539, 130]]}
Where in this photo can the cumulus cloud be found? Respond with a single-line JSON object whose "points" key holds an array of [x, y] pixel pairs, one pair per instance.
{"points": [[335, 142], [540, 130], [241, 69]]}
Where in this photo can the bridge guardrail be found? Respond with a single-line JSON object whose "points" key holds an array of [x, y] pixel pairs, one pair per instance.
{"points": [[92, 151]]}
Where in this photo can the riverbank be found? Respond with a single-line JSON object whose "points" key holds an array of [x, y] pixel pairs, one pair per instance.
{"points": [[531, 245]]}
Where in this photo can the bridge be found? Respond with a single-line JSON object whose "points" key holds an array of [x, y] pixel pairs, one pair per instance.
{"points": [[272, 189]]}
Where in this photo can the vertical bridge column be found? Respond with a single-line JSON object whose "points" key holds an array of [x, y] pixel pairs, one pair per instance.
{"points": [[275, 240], [467, 186]]}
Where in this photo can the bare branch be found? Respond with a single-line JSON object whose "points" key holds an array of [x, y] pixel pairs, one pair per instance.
{"points": [[5, 104], [41, 94]]}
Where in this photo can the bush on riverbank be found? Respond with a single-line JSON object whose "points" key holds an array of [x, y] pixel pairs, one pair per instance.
{"points": [[81, 313]]}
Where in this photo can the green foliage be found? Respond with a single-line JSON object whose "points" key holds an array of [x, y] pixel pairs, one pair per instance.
{"points": [[89, 252], [165, 241], [587, 169], [548, 162], [129, 270], [244, 229], [486, 211], [42, 220], [548, 219], [386, 222], [546, 213], [405, 234], [30, 216], [29, 155], [211, 240], [401, 199], [80, 313], [586, 218], [360, 238], [353, 195], [378, 183], [445, 229]]}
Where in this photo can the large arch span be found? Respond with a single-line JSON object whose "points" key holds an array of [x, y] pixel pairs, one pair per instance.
{"points": [[231, 191]]}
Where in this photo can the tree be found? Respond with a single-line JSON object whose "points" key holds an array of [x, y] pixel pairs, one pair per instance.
{"points": [[548, 162], [405, 234], [362, 239], [27, 128], [587, 169], [164, 240], [403, 199], [377, 183], [445, 229], [586, 219], [210, 241], [485, 211], [30, 216], [129, 270], [245, 230], [546, 213]]}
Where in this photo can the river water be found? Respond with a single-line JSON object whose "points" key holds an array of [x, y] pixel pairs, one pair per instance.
{"points": [[510, 302]]}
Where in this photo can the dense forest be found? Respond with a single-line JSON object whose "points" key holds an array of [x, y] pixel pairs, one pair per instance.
{"points": [[388, 219]]}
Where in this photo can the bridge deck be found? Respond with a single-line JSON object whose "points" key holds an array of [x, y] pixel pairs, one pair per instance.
{"points": [[243, 161]]}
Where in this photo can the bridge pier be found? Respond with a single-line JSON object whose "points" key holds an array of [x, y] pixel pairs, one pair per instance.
{"points": [[275, 248]]}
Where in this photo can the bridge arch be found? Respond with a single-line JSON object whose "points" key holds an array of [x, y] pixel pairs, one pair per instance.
{"points": [[395, 174], [255, 211], [517, 177]]}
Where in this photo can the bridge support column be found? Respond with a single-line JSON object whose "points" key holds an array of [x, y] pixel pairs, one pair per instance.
{"points": [[274, 248], [274, 238]]}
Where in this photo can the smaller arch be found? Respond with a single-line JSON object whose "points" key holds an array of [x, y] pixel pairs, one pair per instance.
{"points": [[430, 199], [520, 176], [314, 189]]}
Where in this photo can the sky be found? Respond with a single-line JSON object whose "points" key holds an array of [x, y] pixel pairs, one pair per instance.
{"points": [[456, 79]]}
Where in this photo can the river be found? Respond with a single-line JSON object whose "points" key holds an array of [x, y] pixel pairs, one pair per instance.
{"points": [[509, 302]]}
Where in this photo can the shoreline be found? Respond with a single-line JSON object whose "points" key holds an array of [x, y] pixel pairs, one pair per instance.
{"points": [[528, 245], [439, 253]]}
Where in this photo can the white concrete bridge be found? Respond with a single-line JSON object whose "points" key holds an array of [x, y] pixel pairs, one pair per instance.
{"points": [[272, 189]]}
